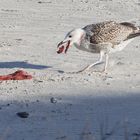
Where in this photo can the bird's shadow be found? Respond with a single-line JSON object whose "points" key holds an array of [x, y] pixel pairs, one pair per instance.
{"points": [[22, 64]]}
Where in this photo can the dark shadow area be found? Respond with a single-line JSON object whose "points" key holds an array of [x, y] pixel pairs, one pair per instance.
{"points": [[22, 64], [71, 118]]}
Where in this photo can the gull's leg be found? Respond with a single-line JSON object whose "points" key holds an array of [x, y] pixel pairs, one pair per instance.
{"points": [[104, 71], [105, 66], [106, 63], [96, 63]]}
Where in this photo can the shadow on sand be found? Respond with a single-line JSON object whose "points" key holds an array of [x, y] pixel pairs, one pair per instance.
{"points": [[22, 64], [71, 118]]}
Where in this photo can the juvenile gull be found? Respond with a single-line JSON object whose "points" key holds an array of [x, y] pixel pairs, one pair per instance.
{"points": [[103, 38]]}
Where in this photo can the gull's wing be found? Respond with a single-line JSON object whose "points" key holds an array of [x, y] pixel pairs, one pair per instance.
{"points": [[110, 32]]}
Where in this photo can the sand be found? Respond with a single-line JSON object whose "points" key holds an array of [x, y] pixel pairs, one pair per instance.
{"points": [[60, 105]]}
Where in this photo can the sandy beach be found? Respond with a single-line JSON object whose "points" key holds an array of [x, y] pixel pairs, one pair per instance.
{"points": [[64, 106]]}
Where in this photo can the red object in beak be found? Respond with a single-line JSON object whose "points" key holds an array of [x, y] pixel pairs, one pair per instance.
{"points": [[60, 50], [62, 45]]}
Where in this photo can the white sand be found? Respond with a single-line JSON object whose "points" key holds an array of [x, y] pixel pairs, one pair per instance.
{"points": [[29, 33]]}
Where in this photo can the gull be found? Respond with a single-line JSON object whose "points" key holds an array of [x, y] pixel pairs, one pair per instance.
{"points": [[102, 38]]}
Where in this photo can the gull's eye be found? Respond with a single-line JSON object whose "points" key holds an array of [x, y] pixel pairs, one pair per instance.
{"points": [[70, 36]]}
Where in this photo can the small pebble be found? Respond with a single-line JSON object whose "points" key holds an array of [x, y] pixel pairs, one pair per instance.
{"points": [[120, 63], [8, 104], [23, 114], [60, 71], [108, 83], [53, 100]]}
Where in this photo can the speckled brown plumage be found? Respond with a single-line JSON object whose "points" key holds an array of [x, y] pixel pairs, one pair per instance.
{"points": [[110, 31]]}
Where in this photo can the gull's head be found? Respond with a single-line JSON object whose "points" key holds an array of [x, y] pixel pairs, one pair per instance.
{"points": [[73, 37]]}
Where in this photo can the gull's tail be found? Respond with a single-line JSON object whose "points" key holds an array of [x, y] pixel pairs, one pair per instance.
{"points": [[133, 35], [136, 30]]}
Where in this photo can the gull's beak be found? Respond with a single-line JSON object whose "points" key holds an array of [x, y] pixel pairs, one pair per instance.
{"points": [[63, 46]]}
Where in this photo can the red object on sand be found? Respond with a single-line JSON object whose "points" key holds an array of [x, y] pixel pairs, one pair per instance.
{"points": [[18, 75]]}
